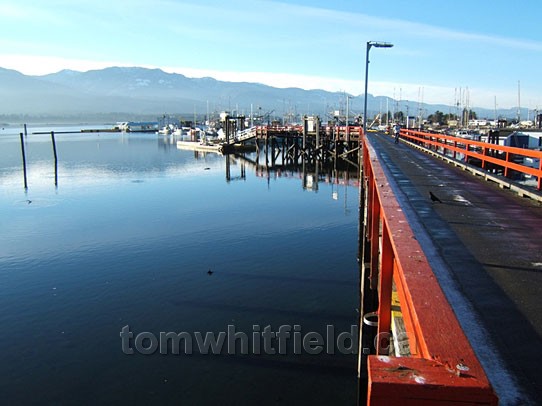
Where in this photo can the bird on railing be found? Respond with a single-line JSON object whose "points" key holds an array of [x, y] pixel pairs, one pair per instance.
{"points": [[434, 198]]}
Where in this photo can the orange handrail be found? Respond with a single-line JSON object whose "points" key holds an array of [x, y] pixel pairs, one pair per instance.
{"points": [[443, 367], [483, 151]]}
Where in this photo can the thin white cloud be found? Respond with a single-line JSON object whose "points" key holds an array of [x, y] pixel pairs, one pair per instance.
{"points": [[255, 34], [440, 34], [26, 13], [377, 27], [385, 27], [12, 11]]}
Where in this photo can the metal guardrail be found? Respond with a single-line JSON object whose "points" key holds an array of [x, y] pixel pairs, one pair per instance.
{"points": [[243, 135], [508, 160], [443, 367]]}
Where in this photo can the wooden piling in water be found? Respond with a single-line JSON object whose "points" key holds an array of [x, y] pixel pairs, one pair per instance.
{"points": [[305, 124], [317, 129], [55, 156], [24, 160], [54, 144]]}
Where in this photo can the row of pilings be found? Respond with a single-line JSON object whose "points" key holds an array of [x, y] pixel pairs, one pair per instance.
{"points": [[309, 143]]}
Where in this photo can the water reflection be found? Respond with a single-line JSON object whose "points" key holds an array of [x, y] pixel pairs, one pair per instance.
{"points": [[127, 238]]}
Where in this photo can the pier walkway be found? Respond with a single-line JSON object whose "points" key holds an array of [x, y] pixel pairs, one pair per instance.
{"points": [[484, 244]]}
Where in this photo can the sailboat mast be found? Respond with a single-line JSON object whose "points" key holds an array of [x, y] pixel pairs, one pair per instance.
{"points": [[519, 103]]}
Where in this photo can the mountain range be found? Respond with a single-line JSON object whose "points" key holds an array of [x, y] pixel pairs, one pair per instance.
{"points": [[122, 93]]}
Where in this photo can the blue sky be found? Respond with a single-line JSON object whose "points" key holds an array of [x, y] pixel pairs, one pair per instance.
{"points": [[476, 51]]}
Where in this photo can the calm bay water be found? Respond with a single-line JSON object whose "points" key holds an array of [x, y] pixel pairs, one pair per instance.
{"points": [[127, 239]]}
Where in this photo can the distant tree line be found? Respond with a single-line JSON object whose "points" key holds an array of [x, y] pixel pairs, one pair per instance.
{"points": [[440, 118], [437, 118]]}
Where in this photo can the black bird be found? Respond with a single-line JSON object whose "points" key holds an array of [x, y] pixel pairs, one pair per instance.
{"points": [[209, 272], [434, 198]]}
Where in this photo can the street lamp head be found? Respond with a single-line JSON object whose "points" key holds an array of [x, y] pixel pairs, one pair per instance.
{"points": [[377, 44], [370, 44]]}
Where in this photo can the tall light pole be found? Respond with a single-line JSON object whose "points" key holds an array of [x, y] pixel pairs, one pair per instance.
{"points": [[347, 117], [369, 45]]}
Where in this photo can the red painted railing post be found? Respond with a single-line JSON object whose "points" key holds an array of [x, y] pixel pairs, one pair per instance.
{"points": [[507, 159], [374, 236], [384, 295], [455, 149]]}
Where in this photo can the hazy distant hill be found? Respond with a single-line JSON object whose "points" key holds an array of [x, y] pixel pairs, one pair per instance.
{"points": [[152, 90], [140, 91]]}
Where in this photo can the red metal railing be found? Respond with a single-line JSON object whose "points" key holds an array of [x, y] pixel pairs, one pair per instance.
{"points": [[507, 160], [340, 132], [442, 368]]}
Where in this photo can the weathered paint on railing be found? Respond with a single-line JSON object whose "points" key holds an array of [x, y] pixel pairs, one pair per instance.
{"points": [[443, 368], [476, 150]]}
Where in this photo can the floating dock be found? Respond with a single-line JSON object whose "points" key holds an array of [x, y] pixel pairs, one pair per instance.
{"points": [[218, 148], [197, 146]]}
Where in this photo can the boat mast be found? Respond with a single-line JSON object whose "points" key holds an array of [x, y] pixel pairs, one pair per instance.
{"points": [[495, 110], [519, 103]]}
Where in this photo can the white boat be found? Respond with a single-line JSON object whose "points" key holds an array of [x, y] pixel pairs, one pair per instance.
{"points": [[137, 127], [200, 146], [468, 135], [167, 129]]}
